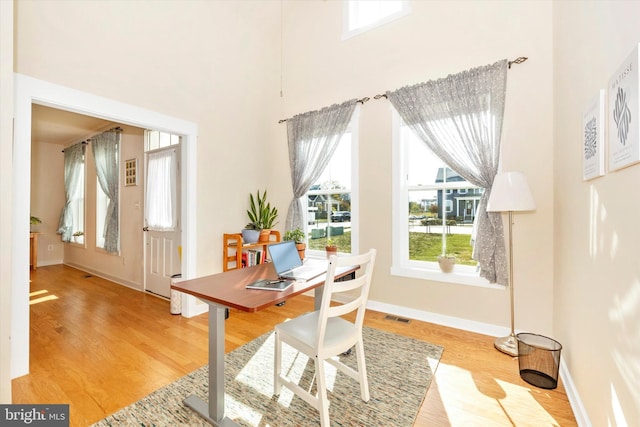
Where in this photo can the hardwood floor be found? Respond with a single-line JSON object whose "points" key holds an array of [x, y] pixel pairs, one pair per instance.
{"points": [[100, 346]]}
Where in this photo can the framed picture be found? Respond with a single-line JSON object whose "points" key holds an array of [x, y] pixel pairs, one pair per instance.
{"points": [[130, 172], [623, 114], [593, 138]]}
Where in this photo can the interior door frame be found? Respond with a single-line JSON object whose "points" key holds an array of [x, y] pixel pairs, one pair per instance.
{"points": [[28, 91]]}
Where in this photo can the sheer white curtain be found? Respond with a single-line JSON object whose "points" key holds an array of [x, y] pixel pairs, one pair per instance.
{"points": [[313, 138], [107, 160], [460, 119], [160, 204], [73, 187]]}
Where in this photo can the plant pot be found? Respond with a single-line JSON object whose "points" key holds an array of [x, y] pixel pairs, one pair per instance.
{"points": [[446, 263], [250, 236], [301, 248], [331, 250], [264, 235]]}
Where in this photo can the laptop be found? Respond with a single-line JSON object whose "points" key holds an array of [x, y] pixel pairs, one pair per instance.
{"points": [[288, 264], [271, 285]]}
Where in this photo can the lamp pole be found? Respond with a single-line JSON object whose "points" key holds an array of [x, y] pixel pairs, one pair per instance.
{"points": [[510, 192], [509, 343]]}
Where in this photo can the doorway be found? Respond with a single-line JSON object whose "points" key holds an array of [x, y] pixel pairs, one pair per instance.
{"points": [[30, 91], [162, 248]]}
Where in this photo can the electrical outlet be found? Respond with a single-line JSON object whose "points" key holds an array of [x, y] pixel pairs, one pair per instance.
{"points": [[50, 248]]}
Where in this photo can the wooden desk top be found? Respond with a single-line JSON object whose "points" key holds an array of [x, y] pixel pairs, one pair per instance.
{"points": [[228, 288]]}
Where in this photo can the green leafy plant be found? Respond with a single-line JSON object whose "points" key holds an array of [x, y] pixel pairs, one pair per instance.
{"points": [[35, 220], [296, 235], [331, 244], [78, 234], [261, 214]]}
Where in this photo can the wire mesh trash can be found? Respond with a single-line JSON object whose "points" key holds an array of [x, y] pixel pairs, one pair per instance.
{"points": [[539, 360]]}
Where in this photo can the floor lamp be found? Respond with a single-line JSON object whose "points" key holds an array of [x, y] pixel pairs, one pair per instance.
{"points": [[510, 193]]}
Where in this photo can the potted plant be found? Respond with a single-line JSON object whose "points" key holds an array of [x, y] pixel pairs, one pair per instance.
{"points": [[262, 217], [77, 236], [299, 237], [331, 248], [446, 262], [34, 220]]}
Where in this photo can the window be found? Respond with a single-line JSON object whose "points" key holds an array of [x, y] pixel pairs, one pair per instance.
{"points": [[77, 206], [363, 15], [423, 230], [71, 225], [102, 201], [331, 204], [161, 193], [154, 139], [106, 154]]}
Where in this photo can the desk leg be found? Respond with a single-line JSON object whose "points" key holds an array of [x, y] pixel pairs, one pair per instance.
{"points": [[214, 410]]}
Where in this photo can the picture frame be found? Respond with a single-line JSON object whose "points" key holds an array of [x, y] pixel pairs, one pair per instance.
{"points": [[623, 114], [593, 156], [131, 172]]}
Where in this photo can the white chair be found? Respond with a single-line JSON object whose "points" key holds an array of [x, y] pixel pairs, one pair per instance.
{"points": [[324, 334]]}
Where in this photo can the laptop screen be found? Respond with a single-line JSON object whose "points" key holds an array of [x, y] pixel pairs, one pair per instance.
{"points": [[284, 256]]}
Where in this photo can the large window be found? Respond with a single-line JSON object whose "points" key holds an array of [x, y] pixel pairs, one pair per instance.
{"points": [[77, 207], [330, 201], [363, 15], [434, 210], [102, 201], [71, 224]]}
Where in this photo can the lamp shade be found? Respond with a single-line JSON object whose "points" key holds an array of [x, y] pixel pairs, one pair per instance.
{"points": [[510, 192]]}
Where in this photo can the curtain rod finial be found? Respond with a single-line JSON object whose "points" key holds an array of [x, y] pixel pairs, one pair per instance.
{"points": [[518, 60]]}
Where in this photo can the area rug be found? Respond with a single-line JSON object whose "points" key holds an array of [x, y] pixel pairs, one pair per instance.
{"points": [[400, 370]]}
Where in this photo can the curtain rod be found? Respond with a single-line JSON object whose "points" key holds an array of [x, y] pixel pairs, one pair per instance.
{"points": [[115, 129], [518, 60], [81, 142], [361, 101]]}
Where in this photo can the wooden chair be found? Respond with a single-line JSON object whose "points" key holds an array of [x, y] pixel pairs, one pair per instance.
{"points": [[324, 334]]}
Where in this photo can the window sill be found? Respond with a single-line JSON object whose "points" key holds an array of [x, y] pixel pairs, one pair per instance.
{"points": [[457, 277]]}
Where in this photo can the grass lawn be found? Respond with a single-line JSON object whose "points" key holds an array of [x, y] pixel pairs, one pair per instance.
{"points": [[427, 247], [422, 246]]}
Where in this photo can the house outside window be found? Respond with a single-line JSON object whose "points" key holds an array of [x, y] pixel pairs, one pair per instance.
{"points": [[434, 211], [331, 208]]}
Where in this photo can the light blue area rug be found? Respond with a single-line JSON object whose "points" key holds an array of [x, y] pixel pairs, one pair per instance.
{"points": [[400, 370]]}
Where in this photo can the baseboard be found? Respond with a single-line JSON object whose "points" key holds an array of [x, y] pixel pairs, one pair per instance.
{"points": [[486, 329], [579, 411], [129, 284], [50, 262]]}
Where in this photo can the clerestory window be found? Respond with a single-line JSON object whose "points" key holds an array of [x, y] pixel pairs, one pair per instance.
{"points": [[363, 15]]}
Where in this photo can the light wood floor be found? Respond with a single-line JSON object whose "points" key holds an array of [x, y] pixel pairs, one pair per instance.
{"points": [[99, 347]]}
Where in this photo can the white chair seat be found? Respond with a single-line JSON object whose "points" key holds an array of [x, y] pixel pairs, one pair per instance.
{"points": [[340, 336], [323, 334]]}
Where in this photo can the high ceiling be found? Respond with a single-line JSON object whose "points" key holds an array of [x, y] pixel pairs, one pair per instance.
{"points": [[62, 127]]}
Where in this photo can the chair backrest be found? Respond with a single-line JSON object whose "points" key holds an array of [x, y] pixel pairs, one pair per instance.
{"points": [[357, 287]]}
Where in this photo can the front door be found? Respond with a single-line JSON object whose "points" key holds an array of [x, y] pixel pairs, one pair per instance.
{"points": [[162, 219]]}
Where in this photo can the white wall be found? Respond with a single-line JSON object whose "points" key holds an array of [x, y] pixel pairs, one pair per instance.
{"points": [[6, 183], [47, 199], [438, 38], [597, 279]]}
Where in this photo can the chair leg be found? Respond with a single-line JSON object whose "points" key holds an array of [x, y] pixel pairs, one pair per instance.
{"points": [[277, 365], [362, 371], [323, 400]]}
